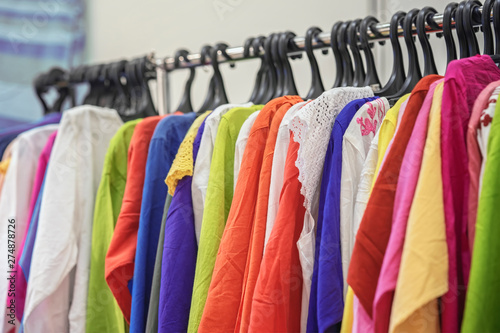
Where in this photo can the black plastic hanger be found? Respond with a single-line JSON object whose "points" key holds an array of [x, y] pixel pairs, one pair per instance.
{"points": [[271, 83], [256, 44], [92, 76], [425, 16], [264, 71], [496, 25], [56, 77], [398, 71], [106, 99], [448, 16], [352, 40], [317, 87], [459, 27], [414, 75], [185, 105], [346, 57], [145, 107], [220, 96], [339, 72], [121, 102], [207, 103], [371, 78], [285, 45], [472, 16], [486, 27], [278, 64]]}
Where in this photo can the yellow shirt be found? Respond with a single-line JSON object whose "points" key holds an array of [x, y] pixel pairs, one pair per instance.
{"points": [[387, 130], [423, 275], [183, 163]]}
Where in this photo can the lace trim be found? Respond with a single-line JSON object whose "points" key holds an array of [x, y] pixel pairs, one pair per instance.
{"points": [[312, 127], [183, 163]]}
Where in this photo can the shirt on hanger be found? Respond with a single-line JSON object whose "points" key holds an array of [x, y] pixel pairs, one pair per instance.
{"points": [[243, 224], [4, 164], [355, 148], [15, 203], [120, 258], [464, 81], [165, 142], [276, 302], [57, 288], [483, 290], [477, 129], [204, 160], [241, 143], [375, 227], [9, 134], [423, 276], [278, 167], [387, 131], [154, 300], [405, 190], [327, 280], [218, 200], [103, 313], [23, 259], [180, 246], [312, 127]]}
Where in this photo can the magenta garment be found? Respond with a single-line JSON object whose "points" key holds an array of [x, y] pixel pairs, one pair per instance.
{"points": [[21, 283], [475, 158], [407, 183], [464, 81]]}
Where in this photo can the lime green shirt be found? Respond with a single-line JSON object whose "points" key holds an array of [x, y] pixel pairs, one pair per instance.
{"points": [[103, 313], [217, 203], [483, 292]]}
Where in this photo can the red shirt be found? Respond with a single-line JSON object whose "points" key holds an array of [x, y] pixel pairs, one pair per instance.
{"points": [[119, 268], [375, 228], [224, 295], [277, 299]]}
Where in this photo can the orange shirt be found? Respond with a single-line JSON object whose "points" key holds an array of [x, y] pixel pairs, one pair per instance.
{"points": [[277, 299], [225, 291], [119, 266]]}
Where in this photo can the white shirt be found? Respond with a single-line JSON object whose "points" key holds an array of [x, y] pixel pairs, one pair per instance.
{"points": [[355, 147], [241, 143], [56, 297], [278, 168], [312, 127], [204, 160], [483, 131], [16, 195]]}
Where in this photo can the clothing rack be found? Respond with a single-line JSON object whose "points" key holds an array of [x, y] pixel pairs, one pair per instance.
{"points": [[378, 33]]}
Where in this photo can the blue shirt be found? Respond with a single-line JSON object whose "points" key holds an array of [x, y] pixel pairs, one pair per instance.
{"points": [[326, 302], [165, 142], [179, 256]]}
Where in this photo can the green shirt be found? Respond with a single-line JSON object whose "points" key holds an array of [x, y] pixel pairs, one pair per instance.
{"points": [[483, 292], [103, 313], [217, 204]]}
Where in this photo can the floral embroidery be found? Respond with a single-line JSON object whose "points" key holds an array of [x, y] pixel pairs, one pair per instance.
{"points": [[367, 126], [486, 120]]}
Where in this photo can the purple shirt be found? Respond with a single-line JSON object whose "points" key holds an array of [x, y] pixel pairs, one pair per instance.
{"points": [[179, 256], [463, 82], [7, 135], [326, 304]]}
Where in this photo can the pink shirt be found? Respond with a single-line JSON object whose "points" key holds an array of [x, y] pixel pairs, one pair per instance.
{"points": [[464, 81], [405, 191], [475, 156], [21, 283]]}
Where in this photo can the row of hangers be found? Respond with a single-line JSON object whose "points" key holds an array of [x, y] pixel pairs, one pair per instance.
{"points": [[123, 85]]}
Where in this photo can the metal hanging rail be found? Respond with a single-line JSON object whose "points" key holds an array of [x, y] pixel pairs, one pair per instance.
{"points": [[236, 53]]}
